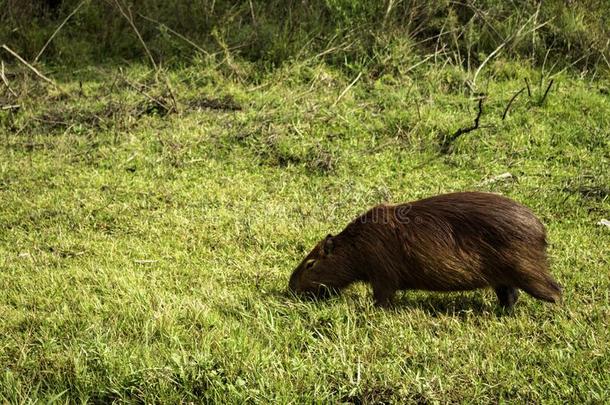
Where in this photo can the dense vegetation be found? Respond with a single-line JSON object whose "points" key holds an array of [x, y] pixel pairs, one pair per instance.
{"points": [[378, 35], [154, 203]]}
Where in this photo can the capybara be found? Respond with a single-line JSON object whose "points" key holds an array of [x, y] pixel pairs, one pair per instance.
{"points": [[450, 242]]}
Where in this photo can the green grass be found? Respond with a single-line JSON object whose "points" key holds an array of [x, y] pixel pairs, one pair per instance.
{"points": [[146, 259]]}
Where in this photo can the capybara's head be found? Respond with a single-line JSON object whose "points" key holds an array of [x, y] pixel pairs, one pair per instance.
{"points": [[325, 270]]}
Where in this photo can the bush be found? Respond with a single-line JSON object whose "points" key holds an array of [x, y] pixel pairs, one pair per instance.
{"points": [[350, 33]]}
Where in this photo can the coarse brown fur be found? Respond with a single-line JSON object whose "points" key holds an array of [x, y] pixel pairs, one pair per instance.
{"points": [[450, 242]]}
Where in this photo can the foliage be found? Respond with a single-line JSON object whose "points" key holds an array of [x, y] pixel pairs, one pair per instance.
{"points": [[351, 34]]}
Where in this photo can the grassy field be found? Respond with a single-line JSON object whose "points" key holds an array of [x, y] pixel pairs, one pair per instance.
{"points": [[147, 235]]}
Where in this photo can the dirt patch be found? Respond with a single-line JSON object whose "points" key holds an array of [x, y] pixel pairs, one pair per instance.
{"points": [[589, 187], [61, 118], [320, 160], [225, 103]]}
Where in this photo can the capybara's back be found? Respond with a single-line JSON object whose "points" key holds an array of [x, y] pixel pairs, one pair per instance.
{"points": [[471, 240], [450, 242]]}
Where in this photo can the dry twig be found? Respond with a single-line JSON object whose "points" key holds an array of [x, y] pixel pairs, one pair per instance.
{"points": [[58, 29], [527, 84], [491, 55], [421, 62], [449, 140], [171, 94], [5, 80], [506, 42], [155, 100], [511, 102], [546, 92], [252, 13], [129, 19], [32, 68], [347, 89]]}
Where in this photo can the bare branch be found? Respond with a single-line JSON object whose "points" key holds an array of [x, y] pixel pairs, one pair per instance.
{"points": [[491, 55], [32, 68], [129, 19], [449, 140], [58, 29], [511, 102]]}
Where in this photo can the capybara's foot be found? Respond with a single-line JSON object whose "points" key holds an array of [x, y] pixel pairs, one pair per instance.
{"points": [[383, 297], [507, 296]]}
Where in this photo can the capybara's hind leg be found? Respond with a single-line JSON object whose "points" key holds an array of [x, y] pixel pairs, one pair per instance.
{"points": [[507, 296]]}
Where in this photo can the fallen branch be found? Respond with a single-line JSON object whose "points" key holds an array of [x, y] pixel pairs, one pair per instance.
{"points": [[58, 29], [10, 107], [504, 177], [449, 140], [32, 68], [511, 102]]}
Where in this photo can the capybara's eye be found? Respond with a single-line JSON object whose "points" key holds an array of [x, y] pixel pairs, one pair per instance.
{"points": [[309, 264]]}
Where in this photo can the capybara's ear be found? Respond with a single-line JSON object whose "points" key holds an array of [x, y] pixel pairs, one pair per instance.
{"points": [[329, 244]]}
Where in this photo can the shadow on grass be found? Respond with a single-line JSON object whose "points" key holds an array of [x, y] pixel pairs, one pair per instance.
{"points": [[435, 304], [460, 305]]}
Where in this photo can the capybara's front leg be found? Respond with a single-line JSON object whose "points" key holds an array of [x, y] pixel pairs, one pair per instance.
{"points": [[383, 295], [507, 296]]}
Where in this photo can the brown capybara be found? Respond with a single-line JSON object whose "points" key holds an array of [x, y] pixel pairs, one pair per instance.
{"points": [[450, 242]]}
